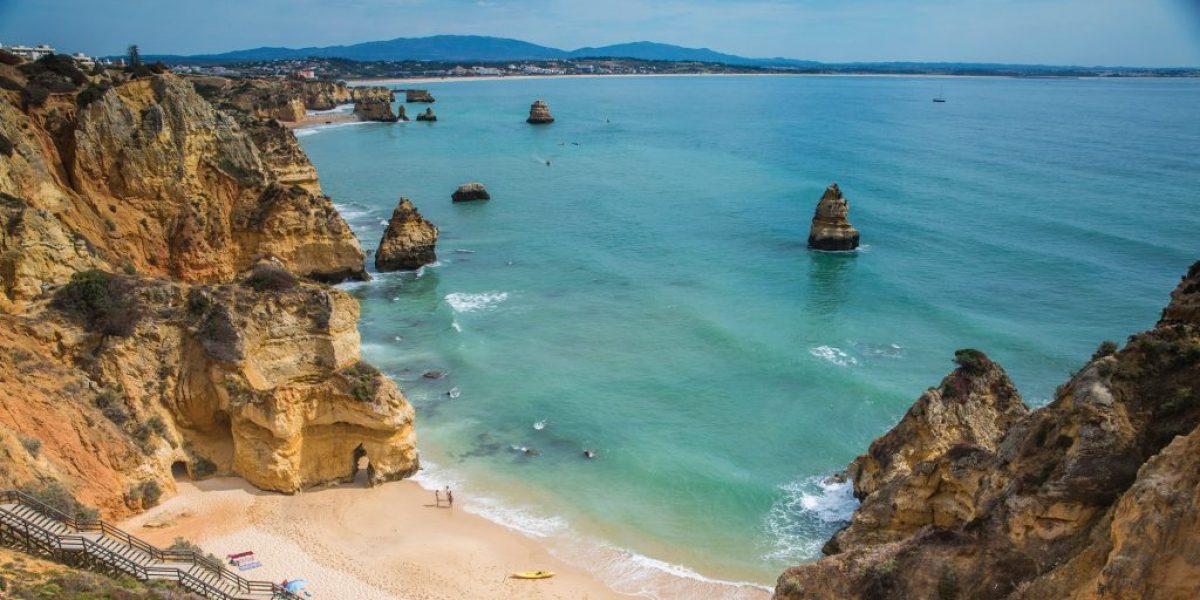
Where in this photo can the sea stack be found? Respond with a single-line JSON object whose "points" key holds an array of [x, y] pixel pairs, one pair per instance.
{"points": [[367, 110], [409, 241], [470, 191], [831, 229], [400, 115], [539, 113], [427, 115], [417, 96]]}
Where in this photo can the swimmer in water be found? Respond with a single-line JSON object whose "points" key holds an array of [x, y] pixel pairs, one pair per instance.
{"points": [[589, 454], [547, 163]]}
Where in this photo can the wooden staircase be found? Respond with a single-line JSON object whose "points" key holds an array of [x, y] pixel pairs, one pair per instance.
{"points": [[28, 525]]}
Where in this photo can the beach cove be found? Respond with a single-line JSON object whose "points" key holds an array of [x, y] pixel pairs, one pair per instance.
{"points": [[673, 216]]}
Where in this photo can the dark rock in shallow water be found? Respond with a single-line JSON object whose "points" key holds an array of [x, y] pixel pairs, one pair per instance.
{"points": [[427, 115], [539, 114], [417, 96], [409, 241], [470, 191], [831, 229], [434, 374]]}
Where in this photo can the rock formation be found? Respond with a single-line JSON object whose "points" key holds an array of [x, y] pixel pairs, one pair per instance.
{"points": [[831, 228], [409, 241], [417, 96], [400, 114], [539, 113], [150, 309], [470, 191], [374, 104], [1094, 495], [427, 115], [325, 95]]}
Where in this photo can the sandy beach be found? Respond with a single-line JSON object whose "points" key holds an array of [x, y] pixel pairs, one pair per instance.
{"points": [[316, 120], [350, 542]]}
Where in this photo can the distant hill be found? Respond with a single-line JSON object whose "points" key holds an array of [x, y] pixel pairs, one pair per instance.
{"points": [[477, 48]]}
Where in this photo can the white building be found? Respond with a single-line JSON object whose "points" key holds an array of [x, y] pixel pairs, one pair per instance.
{"points": [[28, 52]]}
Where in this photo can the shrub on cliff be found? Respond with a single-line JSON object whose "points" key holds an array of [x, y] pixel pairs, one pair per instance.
{"points": [[971, 360], [90, 94], [8, 58], [57, 64], [270, 278], [363, 379], [102, 302], [58, 497]]}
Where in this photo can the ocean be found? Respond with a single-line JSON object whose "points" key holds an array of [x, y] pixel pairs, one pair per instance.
{"points": [[639, 286]]}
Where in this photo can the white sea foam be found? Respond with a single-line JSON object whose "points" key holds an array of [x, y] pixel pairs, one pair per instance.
{"points": [[836, 356], [807, 513], [307, 131], [638, 575], [463, 303], [456, 326]]}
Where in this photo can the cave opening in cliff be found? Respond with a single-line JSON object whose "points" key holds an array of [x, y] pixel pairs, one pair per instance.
{"points": [[361, 470], [179, 470]]}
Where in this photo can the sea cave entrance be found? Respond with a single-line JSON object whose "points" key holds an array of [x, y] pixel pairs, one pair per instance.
{"points": [[180, 471], [362, 473]]}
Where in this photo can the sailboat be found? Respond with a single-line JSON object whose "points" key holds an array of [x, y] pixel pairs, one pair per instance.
{"points": [[941, 97]]}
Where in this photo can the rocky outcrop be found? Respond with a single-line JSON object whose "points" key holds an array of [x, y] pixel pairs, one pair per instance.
{"points": [[375, 111], [1093, 496], [207, 351], [470, 191], [831, 228], [417, 96], [325, 95], [400, 114], [149, 176], [409, 241], [539, 113], [427, 115]]}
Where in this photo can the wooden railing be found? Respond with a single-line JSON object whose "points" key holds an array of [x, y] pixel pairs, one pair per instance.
{"points": [[59, 545]]}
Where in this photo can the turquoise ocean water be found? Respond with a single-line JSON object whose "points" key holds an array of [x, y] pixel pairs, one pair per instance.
{"points": [[648, 295]]}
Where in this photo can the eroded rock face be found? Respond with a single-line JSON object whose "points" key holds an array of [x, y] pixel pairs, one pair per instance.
{"points": [[409, 242], [470, 191], [325, 95], [831, 228], [539, 113], [1092, 496], [374, 104], [259, 377], [427, 115], [417, 96]]}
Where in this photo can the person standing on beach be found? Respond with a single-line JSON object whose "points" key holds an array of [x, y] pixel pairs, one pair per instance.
{"points": [[437, 498], [450, 496]]}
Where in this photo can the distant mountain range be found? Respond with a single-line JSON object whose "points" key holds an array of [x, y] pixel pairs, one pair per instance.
{"points": [[476, 48], [484, 49]]}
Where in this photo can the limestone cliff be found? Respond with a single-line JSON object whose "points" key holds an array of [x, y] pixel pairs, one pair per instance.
{"points": [[1093, 496], [151, 315], [374, 104], [409, 242], [325, 95], [831, 228]]}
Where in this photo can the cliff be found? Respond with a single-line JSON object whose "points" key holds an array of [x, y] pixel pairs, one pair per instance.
{"points": [[831, 228], [409, 242], [325, 95], [1094, 495], [158, 260], [418, 96]]}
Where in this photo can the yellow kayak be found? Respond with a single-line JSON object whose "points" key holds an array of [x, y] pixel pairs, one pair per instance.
{"points": [[533, 575]]}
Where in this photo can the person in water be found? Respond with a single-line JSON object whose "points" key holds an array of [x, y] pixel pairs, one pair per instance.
{"points": [[589, 454], [547, 163], [437, 497], [449, 496]]}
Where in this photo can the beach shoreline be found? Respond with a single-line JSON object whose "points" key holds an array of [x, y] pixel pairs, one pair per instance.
{"points": [[428, 80], [350, 541]]}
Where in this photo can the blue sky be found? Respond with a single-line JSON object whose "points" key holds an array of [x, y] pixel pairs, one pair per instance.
{"points": [[1086, 32]]}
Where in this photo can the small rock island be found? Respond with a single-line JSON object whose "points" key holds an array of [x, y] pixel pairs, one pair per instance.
{"points": [[409, 242], [539, 114], [418, 96], [427, 115], [470, 191], [831, 228]]}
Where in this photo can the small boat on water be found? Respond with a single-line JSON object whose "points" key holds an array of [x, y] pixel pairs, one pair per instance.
{"points": [[533, 575], [941, 97]]}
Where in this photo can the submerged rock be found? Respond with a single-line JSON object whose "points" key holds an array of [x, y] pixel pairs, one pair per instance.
{"points": [[409, 241], [418, 96], [427, 115], [470, 191], [831, 228], [539, 113]]}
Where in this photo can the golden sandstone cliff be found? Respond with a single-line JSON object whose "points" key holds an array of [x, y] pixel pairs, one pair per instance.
{"points": [[159, 304], [1095, 495]]}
